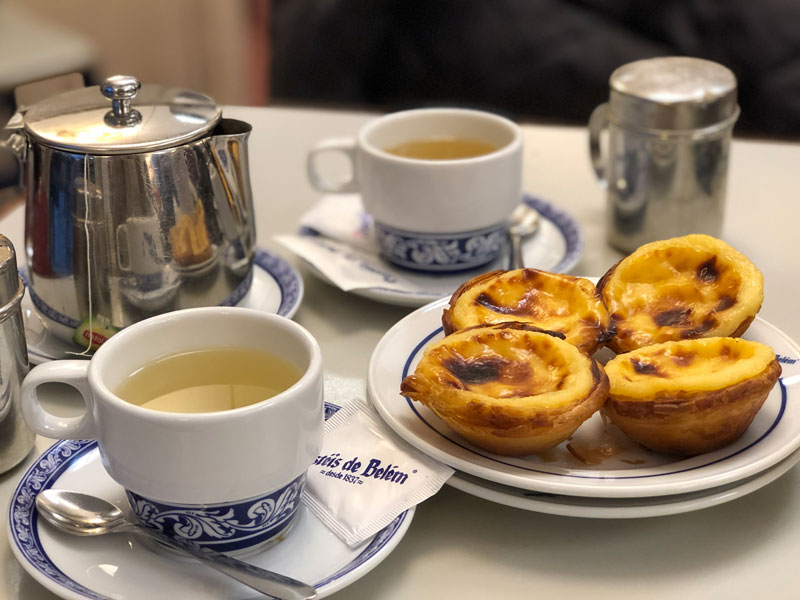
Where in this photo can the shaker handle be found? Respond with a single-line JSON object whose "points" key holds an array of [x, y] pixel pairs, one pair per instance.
{"points": [[346, 146], [597, 123], [71, 372]]}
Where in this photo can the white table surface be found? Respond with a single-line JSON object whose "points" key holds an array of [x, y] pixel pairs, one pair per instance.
{"points": [[463, 547]]}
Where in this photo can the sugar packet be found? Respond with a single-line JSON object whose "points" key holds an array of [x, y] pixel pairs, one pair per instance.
{"points": [[364, 477]]}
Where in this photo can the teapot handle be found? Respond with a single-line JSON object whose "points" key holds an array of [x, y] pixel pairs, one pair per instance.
{"points": [[19, 147], [346, 146]]}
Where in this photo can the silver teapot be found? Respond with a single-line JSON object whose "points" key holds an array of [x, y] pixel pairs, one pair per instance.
{"points": [[138, 203]]}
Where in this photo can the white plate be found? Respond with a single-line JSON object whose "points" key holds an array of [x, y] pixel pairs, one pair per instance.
{"points": [[618, 508], [556, 246], [277, 288], [120, 567], [634, 472]]}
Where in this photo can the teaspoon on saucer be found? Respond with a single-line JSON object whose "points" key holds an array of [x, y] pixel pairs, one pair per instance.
{"points": [[523, 222], [83, 514]]}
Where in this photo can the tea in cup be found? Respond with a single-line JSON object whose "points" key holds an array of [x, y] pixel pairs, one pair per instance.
{"points": [[208, 417], [440, 184]]}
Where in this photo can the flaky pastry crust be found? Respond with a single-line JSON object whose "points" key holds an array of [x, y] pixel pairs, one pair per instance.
{"points": [[691, 396]]}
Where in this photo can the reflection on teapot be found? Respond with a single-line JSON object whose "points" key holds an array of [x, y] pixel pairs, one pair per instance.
{"points": [[139, 240], [191, 245]]}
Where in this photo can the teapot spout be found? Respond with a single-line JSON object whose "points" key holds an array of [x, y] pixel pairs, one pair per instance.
{"points": [[228, 146], [228, 143], [231, 129]]}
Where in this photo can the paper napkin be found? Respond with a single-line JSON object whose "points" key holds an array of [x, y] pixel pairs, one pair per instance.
{"points": [[344, 248], [364, 476]]}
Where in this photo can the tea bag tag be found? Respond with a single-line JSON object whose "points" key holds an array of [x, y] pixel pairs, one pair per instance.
{"points": [[364, 477]]}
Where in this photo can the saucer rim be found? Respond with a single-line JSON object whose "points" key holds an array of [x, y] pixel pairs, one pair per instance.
{"points": [[32, 482], [289, 280]]}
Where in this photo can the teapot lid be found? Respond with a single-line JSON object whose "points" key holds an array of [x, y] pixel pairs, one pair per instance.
{"points": [[138, 118]]}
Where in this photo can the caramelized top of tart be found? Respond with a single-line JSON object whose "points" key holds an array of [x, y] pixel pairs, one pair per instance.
{"points": [[682, 288], [555, 302], [508, 361], [700, 365]]}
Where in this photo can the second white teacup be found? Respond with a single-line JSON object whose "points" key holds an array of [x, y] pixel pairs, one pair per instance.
{"points": [[433, 214], [229, 479]]}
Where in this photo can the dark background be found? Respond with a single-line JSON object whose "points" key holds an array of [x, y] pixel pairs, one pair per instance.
{"points": [[535, 60]]}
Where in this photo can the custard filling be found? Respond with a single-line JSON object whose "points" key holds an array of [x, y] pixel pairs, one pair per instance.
{"points": [[504, 364], [568, 305], [682, 288], [700, 365]]}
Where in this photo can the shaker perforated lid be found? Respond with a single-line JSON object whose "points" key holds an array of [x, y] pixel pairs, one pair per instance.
{"points": [[10, 284], [121, 116], [672, 93]]}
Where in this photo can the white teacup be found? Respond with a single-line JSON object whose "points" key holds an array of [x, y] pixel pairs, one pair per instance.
{"points": [[432, 215], [229, 480]]}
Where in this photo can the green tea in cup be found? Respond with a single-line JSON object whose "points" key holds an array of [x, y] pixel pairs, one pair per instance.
{"points": [[442, 148], [209, 380]]}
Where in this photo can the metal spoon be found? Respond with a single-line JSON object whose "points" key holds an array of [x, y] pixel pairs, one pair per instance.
{"points": [[82, 514], [523, 222]]}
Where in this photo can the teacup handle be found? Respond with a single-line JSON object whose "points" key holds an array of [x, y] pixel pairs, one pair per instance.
{"points": [[71, 372], [597, 123], [346, 146]]}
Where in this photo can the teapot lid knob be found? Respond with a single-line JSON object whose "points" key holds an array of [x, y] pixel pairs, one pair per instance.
{"points": [[121, 89]]}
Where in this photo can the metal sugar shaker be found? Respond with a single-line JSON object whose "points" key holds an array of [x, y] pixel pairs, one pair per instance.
{"points": [[16, 439], [665, 164]]}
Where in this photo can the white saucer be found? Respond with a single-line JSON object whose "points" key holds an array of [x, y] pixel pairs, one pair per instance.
{"points": [[618, 508], [277, 288], [556, 246], [120, 567], [633, 473]]}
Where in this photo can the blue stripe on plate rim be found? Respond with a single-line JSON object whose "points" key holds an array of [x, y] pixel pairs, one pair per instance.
{"points": [[601, 476], [24, 526], [566, 225]]}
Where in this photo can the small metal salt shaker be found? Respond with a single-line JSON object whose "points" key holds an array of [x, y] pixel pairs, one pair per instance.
{"points": [[16, 439], [669, 122]]}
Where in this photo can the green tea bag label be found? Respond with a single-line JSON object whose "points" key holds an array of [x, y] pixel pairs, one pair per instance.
{"points": [[94, 332]]}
